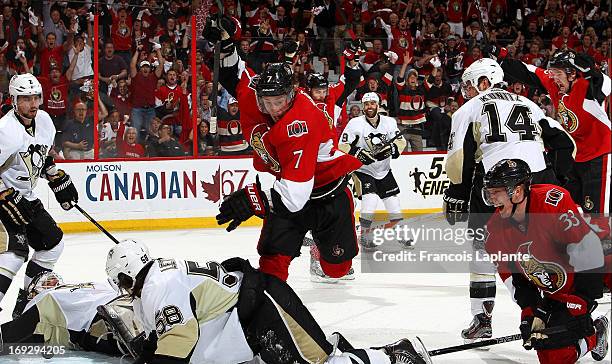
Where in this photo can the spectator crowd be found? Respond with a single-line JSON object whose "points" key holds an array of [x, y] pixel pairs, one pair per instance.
{"points": [[415, 52]]}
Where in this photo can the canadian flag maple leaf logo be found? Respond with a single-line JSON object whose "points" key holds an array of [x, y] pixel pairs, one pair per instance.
{"points": [[213, 190]]}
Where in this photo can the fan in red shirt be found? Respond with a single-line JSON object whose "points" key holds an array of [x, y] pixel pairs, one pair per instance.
{"points": [[127, 145], [554, 263], [293, 141]]}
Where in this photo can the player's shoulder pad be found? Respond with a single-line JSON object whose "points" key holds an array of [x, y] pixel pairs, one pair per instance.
{"points": [[9, 131], [549, 197]]}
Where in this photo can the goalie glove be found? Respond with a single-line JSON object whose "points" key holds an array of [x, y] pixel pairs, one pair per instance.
{"points": [[242, 204], [455, 207]]}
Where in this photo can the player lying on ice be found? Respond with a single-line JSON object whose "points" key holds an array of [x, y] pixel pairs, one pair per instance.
{"points": [[65, 315], [556, 287], [228, 313]]}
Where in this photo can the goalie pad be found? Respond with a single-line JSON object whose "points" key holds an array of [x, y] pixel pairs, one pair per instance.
{"points": [[121, 321]]}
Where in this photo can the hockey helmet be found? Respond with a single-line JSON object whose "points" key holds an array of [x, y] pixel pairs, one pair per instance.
{"points": [[484, 67], [563, 60], [508, 173], [43, 281], [370, 96], [275, 80], [317, 80], [126, 258], [24, 85]]}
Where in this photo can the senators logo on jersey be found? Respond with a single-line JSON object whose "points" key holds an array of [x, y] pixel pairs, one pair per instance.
{"points": [[259, 147], [548, 276], [569, 120]]}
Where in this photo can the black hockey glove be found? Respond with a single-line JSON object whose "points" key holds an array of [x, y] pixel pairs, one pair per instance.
{"points": [[149, 346], [532, 321], [455, 208], [242, 204], [65, 192], [290, 48], [496, 51], [364, 155], [14, 208], [582, 62], [389, 150], [219, 28]]}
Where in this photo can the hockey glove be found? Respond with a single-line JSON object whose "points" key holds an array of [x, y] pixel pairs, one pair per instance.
{"points": [[455, 208], [290, 48], [498, 52], [242, 204], [389, 150], [364, 155], [532, 321], [65, 192], [582, 62], [149, 346], [218, 28], [14, 208]]}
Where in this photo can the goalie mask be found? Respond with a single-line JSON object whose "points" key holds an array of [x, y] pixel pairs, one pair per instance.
{"points": [[43, 281], [124, 261]]}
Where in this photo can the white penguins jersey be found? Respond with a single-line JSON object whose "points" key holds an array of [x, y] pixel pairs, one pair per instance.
{"points": [[370, 136], [210, 327], [70, 307], [23, 151], [502, 125]]}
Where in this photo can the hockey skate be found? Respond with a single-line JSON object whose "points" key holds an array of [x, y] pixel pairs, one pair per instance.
{"points": [[406, 351], [600, 350], [316, 272], [20, 304], [366, 241], [480, 328]]}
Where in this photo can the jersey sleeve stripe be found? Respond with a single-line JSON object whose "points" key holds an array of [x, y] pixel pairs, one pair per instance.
{"points": [[179, 341]]}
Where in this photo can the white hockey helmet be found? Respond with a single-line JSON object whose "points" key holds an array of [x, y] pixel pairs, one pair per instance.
{"points": [[43, 281], [484, 67], [128, 257], [370, 96], [24, 85]]}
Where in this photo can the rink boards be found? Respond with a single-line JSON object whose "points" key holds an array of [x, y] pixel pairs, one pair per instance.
{"points": [[160, 194]]}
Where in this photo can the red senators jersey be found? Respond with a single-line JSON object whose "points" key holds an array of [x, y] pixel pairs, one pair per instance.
{"points": [[298, 149], [581, 112], [55, 96], [555, 239]]}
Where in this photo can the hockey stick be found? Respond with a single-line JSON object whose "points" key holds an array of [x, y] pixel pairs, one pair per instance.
{"points": [[93, 221], [553, 330], [479, 344], [485, 35]]}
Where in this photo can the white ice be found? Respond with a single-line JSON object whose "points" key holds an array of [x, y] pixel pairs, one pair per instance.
{"points": [[372, 310]]}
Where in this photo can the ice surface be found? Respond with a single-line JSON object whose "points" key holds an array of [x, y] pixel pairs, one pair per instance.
{"points": [[374, 309]]}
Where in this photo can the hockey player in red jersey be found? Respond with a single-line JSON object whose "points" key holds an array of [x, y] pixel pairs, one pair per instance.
{"points": [[556, 272], [292, 140], [578, 90], [332, 98]]}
